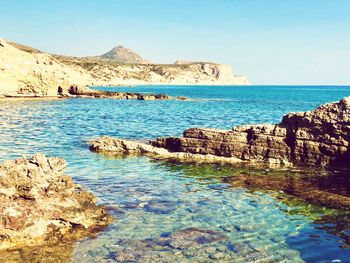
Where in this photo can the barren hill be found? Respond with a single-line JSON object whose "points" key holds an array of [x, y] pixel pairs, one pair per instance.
{"points": [[123, 54], [28, 71]]}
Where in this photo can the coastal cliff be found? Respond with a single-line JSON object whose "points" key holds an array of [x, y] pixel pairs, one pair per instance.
{"points": [[320, 137], [28, 71]]}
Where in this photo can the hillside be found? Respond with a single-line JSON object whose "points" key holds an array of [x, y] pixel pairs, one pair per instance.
{"points": [[28, 71], [122, 54]]}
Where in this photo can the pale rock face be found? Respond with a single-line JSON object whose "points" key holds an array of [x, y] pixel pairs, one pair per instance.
{"points": [[26, 71]]}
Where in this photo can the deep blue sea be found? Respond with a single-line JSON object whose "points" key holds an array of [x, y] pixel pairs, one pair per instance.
{"points": [[153, 199]]}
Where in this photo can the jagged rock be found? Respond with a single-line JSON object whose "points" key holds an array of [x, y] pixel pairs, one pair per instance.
{"points": [[38, 203], [320, 137]]}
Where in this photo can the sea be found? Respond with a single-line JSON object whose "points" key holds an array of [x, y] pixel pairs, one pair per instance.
{"points": [[160, 206]]}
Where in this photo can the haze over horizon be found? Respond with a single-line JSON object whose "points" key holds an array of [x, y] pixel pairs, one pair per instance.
{"points": [[271, 42]]}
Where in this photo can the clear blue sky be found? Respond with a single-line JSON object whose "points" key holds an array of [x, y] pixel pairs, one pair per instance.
{"points": [[270, 41]]}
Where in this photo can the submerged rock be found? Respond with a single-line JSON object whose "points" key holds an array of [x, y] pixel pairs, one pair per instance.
{"points": [[193, 237], [309, 191], [160, 206], [181, 245], [317, 138], [39, 204]]}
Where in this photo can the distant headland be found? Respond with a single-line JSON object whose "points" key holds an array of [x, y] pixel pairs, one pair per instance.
{"points": [[27, 71]]}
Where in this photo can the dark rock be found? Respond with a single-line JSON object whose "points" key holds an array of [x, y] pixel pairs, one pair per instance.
{"points": [[193, 237], [308, 190], [89, 93], [160, 206]]}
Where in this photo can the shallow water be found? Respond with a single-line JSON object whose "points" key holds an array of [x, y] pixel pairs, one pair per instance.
{"points": [[152, 200]]}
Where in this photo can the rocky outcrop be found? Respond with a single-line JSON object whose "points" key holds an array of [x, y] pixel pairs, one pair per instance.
{"points": [[317, 138], [89, 93], [39, 204], [115, 146], [320, 137], [27, 71]]}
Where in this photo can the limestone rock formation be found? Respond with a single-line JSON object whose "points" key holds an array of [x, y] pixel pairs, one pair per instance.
{"points": [[26, 71], [320, 137], [317, 138], [117, 146], [38, 204]]}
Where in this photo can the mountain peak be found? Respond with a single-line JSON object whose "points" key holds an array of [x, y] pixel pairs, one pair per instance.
{"points": [[122, 54]]}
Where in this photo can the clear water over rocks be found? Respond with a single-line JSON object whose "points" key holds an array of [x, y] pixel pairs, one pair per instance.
{"points": [[173, 212]]}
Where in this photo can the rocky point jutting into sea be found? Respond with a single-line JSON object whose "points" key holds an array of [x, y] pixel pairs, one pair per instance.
{"points": [[25, 71], [40, 205], [85, 92], [319, 137]]}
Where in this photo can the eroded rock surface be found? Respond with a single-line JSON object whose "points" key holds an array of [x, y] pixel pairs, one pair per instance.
{"points": [[320, 137], [117, 146], [317, 138], [38, 203]]}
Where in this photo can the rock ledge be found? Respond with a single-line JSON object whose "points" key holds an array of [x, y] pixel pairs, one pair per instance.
{"points": [[320, 137]]}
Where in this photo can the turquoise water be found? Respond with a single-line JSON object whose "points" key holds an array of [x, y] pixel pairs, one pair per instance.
{"points": [[152, 200]]}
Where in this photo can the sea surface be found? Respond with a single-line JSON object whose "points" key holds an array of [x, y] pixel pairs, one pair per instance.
{"points": [[157, 203]]}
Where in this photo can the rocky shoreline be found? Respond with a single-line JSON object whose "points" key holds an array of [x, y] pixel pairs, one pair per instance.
{"points": [[320, 137], [41, 205], [85, 92]]}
